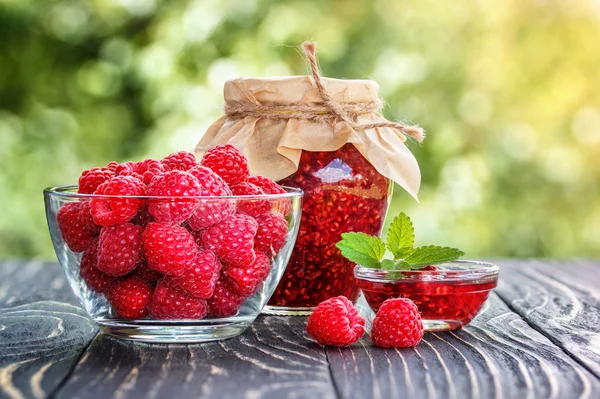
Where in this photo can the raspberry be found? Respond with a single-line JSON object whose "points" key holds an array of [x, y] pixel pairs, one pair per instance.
{"points": [[125, 168], [199, 280], [145, 272], [233, 240], [143, 217], [252, 207], [197, 237], [170, 249], [72, 228], [224, 302], [335, 322], [120, 249], [174, 183], [91, 179], [210, 211], [398, 324], [169, 303], [112, 166], [94, 278], [110, 211], [228, 162], [271, 233], [85, 215], [245, 280], [266, 184], [282, 206], [144, 170], [130, 297], [179, 161]]}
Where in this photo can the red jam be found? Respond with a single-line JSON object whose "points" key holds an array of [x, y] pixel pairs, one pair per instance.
{"points": [[453, 302], [343, 192]]}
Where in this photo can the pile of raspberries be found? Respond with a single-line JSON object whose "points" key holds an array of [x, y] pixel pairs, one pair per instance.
{"points": [[174, 255]]}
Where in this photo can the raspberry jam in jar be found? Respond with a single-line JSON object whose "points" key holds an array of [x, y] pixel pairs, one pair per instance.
{"points": [[448, 296], [343, 192]]}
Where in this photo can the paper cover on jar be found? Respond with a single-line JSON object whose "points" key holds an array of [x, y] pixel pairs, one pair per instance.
{"points": [[271, 120]]}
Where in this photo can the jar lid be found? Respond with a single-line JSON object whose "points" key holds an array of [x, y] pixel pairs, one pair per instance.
{"points": [[290, 90]]}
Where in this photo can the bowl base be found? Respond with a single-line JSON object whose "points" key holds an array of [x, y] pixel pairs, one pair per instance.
{"points": [[287, 311], [172, 332]]}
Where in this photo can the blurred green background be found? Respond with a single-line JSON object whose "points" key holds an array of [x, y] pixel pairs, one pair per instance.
{"points": [[508, 91]]}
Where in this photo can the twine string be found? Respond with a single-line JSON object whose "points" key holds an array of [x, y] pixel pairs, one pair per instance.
{"points": [[347, 112]]}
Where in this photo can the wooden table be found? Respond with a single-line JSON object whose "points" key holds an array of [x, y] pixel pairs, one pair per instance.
{"points": [[538, 337]]}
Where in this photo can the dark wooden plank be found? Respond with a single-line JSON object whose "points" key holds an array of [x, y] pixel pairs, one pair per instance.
{"points": [[497, 355], [561, 299], [273, 359], [42, 330]]}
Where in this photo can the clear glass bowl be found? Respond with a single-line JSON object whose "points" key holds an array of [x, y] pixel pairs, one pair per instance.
{"points": [[448, 297], [96, 304]]}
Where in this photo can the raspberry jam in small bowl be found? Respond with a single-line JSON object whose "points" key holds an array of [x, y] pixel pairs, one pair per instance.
{"points": [[448, 296], [172, 268]]}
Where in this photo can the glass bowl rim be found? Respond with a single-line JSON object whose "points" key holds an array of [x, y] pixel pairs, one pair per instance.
{"points": [[480, 270], [65, 192]]}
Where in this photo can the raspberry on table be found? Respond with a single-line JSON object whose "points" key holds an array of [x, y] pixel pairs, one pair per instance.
{"points": [[170, 303], [170, 249], [174, 183], [210, 211], [271, 233], [335, 322], [91, 179], [246, 280], [95, 279], [108, 211], [147, 273], [252, 207], [200, 279], [120, 249], [73, 229], [225, 301], [397, 324], [130, 297], [233, 240], [228, 162], [181, 160]]}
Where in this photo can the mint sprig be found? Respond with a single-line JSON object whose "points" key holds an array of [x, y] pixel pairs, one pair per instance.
{"points": [[362, 248], [369, 251]]}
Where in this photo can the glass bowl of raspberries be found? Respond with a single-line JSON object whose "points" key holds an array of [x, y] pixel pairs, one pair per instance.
{"points": [[448, 295], [176, 249]]}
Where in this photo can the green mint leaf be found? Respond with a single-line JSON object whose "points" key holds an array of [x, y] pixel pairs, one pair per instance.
{"points": [[388, 264], [432, 255], [362, 249], [401, 236]]}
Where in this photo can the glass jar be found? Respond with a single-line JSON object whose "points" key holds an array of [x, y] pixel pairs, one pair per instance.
{"points": [[343, 193]]}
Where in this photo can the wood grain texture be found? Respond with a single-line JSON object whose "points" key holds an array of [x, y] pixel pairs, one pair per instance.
{"points": [[272, 359], [561, 299], [497, 356], [42, 331], [549, 352]]}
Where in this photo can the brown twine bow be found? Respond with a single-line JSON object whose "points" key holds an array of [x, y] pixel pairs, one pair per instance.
{"points": [[344, 111]]}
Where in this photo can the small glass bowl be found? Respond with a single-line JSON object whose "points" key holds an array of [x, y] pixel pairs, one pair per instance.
{"points": [[448, 297], [147, 329]]}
